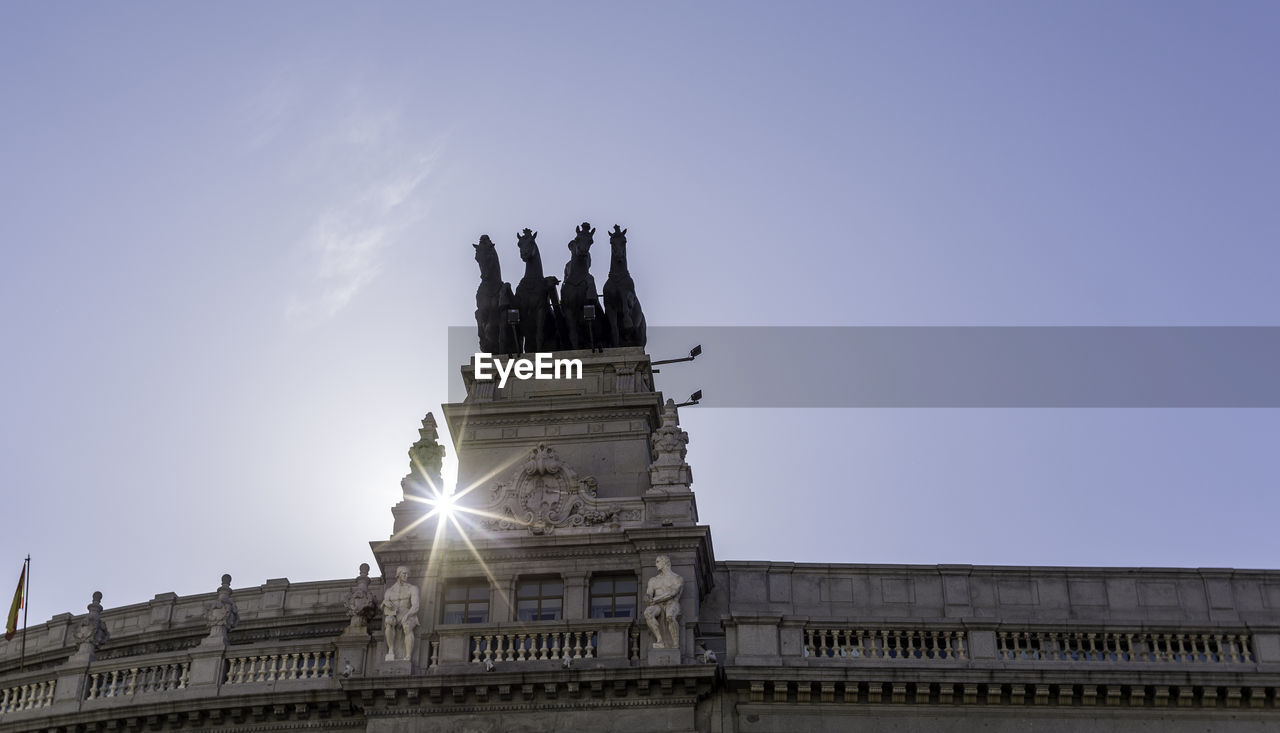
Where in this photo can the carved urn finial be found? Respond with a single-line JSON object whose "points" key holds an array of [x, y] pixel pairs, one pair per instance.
{"points": [[221, 613], [669, 472], [361, 604], [426, 457], [91, 632]]}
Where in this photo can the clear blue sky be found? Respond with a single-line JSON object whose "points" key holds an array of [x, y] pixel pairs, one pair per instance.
{"points": [[234, 235]]}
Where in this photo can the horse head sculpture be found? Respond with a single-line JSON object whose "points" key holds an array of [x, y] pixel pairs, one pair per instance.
{"points": [[488, 319], [579, 300], [622, 307], [537, 298]]}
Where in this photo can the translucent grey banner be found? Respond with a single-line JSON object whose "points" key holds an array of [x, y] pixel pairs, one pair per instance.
{"points": [[1084, 366]]}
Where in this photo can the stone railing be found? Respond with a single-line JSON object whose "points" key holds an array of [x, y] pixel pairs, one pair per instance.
{"points": [[29, 696], [899, 644], [1121, 646], [292, 665], [603, 641], [526, 646], [137, 680]]}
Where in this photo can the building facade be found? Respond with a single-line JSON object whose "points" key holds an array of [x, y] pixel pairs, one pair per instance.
{"points": [[573, 587]]}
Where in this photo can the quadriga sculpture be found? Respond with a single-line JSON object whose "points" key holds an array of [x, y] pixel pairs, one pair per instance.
{"points": [[536, 295], [578, 292], [489, 319], [626, 320]]}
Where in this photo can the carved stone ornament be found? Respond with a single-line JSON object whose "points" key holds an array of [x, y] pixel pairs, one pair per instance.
{"points": [[221, 613], [361, 604], [669, 472], [545, 494], [426, 457], [91, 632]]}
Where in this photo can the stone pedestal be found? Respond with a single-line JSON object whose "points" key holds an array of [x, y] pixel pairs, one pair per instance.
{"points": [[674, 509], [396, 668], [353, 648], [663, 657], [206, 666]]}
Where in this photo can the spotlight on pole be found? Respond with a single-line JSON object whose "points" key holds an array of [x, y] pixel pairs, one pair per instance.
{"points": [[694, 353], [694, 399]]}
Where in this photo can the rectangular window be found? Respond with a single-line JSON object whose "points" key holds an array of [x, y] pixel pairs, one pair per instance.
{"points": [[539, 599], [466, 602], [613, 596]]}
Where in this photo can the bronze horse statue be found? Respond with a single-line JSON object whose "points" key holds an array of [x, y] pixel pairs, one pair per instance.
{"points": [[578, 292], [489, 318], [508, 332], [622, 308], [537, 298]]}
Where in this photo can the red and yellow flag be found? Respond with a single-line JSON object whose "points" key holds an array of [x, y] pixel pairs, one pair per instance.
{"points": [[11, 626]]}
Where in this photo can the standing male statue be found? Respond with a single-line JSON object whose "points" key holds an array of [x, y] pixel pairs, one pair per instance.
{"points": [[400, 616], [663, 595]]}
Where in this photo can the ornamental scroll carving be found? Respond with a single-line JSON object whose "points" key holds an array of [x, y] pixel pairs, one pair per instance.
{"points": [[546, 494]]}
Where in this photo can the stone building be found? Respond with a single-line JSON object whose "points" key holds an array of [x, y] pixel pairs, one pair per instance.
{"points": [[536, 602]]}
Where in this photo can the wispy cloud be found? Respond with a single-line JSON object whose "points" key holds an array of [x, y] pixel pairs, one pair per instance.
{"points": [[347, 239]]}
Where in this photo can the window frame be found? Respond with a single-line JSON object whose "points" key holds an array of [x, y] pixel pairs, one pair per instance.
{"points": [[468, 603], [541, 597], [613, 595]]}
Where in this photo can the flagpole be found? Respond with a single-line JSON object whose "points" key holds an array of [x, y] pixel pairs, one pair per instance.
{"points": [[26, 573]]}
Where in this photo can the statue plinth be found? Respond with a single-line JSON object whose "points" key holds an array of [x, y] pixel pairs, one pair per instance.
{"points": [[663, 657], [670, 509], [395, 668]]}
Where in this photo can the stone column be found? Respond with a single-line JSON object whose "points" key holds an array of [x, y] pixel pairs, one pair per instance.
{"points": [[575, 596]]}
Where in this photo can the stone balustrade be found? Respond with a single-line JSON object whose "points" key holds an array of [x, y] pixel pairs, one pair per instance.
{"points": [[525, 646], [901, 644], [601, 641], [293, 665], [137, 680], [27, 696], [1120, 646]]}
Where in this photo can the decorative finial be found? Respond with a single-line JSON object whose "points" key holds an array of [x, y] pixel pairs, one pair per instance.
{"points": [[668, 471], [91, 632], [221, 614], [426, 459], [361, 605]]}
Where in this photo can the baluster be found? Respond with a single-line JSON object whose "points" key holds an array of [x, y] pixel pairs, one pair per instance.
{"points": [[809, 650], [184, 679], [635, 643], [435, 653], [577, 644]]}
